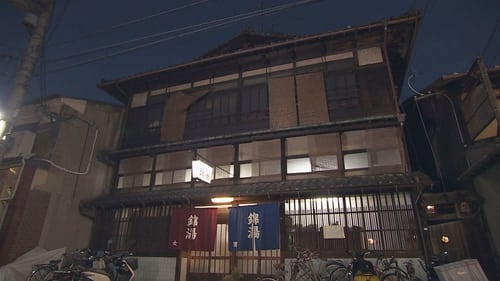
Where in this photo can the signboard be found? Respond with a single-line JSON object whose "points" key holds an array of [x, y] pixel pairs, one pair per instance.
{"points": [[333, 231], [202, 171]]}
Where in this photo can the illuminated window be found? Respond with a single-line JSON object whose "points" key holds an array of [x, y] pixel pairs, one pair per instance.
{"points": [[135, 172], [314, 153], [261, 158], [221, 158], [173, 167], [357, 160]]}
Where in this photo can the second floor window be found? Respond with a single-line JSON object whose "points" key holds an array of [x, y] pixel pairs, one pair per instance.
{"points": [[135, 172], [231, 107], [260, 158], [341, 89], [314, 153], [173, 168], [143, 125]]}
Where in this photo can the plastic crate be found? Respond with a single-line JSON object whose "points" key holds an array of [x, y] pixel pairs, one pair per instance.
{"points": [[464, 270]]}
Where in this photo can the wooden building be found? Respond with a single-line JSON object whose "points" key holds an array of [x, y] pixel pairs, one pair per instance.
{"points": [[459, 116], [311, 122]]}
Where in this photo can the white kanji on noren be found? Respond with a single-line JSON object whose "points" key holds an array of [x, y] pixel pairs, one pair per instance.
{"points": [[253, 228], [192, 223]]}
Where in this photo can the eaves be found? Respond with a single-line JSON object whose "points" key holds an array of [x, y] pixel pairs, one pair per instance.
{"points": [[280, 190]]}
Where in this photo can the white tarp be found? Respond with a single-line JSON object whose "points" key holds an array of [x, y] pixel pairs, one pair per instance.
{"points": [[20, 269]]}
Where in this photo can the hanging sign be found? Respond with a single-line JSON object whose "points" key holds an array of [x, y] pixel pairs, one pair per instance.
{"points": [[202, 171]]}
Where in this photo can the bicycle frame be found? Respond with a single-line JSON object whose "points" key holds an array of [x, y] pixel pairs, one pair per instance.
{"points": [[304, 268]]}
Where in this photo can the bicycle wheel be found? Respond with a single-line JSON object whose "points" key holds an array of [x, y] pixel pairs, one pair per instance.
{"points": [[301, 272], [266, 279], [40, 274], [339, 274]]}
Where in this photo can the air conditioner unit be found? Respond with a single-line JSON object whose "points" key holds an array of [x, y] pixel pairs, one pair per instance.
{"points": [[20, 144]]}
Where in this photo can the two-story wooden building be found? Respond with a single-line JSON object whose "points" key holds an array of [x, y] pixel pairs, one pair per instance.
{"points": [[459, 116], [311, 122]]}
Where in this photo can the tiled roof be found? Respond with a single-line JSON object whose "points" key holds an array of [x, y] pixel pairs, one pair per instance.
{"points": [[280, 189]]}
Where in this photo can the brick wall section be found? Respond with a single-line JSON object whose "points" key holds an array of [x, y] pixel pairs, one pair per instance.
{"points": [[25, 218], [282, 106], [311, 99], [175, 113]]}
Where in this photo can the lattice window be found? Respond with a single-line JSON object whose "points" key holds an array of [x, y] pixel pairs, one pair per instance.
{"points": [[376, 221]]}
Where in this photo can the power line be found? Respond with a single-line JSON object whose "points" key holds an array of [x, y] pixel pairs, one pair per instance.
{"points": [[266, 12], [425, 14], [115, 45], [58, 21], [139, 20], [490, 38], [104, 48]]}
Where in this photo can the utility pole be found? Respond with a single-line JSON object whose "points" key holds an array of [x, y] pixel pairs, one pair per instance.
{"points": [[31, 54]]}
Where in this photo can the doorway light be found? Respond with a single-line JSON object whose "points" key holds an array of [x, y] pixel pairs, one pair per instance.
{"points": [[220, 200], [430, 209]]}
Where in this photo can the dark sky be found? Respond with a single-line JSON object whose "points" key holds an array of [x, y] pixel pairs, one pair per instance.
{"points": [[94, 39]]}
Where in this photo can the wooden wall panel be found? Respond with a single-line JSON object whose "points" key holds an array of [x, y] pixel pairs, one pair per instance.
{"points": [[282, 105], [312, 99], [174, 115]]}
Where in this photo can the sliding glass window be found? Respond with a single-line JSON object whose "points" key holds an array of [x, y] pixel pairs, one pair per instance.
{"points": [[260, 158], [314, 153], [135, 172]]}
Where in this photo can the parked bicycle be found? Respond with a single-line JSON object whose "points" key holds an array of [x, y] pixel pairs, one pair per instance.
{"points": [[304, 268], [278, 276], [359, 269], [40, 271], [85, 265], [389, 270]]}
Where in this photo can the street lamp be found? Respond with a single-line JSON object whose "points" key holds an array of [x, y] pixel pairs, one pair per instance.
{"points": [[3, 126]]}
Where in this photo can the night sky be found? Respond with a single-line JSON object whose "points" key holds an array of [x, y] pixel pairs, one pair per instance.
{"points": [[92, 40]]}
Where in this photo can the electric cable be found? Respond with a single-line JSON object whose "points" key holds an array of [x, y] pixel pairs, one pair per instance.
{"points": [[434, 155], [139, 20], [57, 21], [209, 25], [436, 160], [425, 14], [411, 87], [268, 12], [104, 48], [490, 38], [87, 169]]}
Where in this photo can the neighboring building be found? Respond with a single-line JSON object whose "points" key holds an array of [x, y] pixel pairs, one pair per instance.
{"points": [[310, 122], [459, 115], [49, 167]]}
